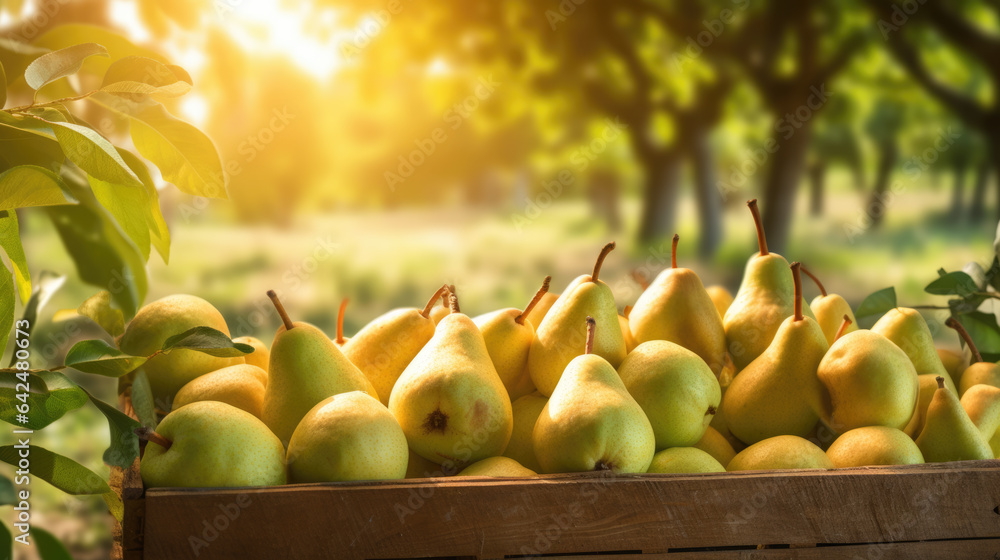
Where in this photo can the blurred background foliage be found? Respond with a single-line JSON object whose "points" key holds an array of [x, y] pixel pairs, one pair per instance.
{"points": [[375, 148]]}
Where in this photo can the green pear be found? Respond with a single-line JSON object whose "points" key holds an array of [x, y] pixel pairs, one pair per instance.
{"points": [[778, 393], [907, 329], [684, 460], [349, 436], [525, 411], [716, 445], [677, 308], [927, 385], [541, 308], [591, 423], [341, 340], [982, 404], [677, 391], [158, 321], [499, 467], [449, 400], [721, 299], [560, 337], [948, 433], [508, 336], [874, 445], [780, 452], [831, 310], [384, 347], [765, 299], [241, 386], [211, 445], [260, 355], [305, 368], [868, 381]]}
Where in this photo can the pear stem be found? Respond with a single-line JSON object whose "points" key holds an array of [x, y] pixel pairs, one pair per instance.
{"points": [[640, 279], [591, 327], [940, 382], [340, 320], [673, 252], [146, 434], [843, 327], [819, 284], [761, 240], [798, 290], [600, 260], [626, 311], [453, 298], [289, 325], [534, 301], [953, 323], [433, 301]]}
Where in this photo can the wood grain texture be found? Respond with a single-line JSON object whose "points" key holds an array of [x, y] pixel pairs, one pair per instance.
{"points": [[567, 514]]}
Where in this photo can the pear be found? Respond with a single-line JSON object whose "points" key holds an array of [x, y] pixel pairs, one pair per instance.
{"points": [[241, 386], [525, 411], [623, 323], [980, 372], [418, 467], [341, 340], [305, 368], [541, 308], [684, 460], [716, 445], [721, 299], [765, 299], [677, 308], [449, 400], [780, 452], [384, 347], [508, 336], [954, 363], [868, 381], [927, 385], [778, 393], [260, 355], [441, 311], [591, 423], [675, 388], [499, 467], [982, 404], [349, 436], [948, 433], [158, 321], [720, 425], [831, 310], [560, 337], [874, 445], [210, 445], [907, 329]]}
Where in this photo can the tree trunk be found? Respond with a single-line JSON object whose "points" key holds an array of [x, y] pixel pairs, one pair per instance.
{"points": [[706, 193], [817, 182], [876, 208], [662, 174], [957, 193], [976, 207], [787, 165]]}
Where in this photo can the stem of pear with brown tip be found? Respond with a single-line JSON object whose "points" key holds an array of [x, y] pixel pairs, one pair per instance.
{"points": [[795, 266], [843, 327], [441, 292], [673, 252], [289, 325], [761, 240], [340, 320], [534, 301], [626, 311], [953, 323], [940, 382], [819, 284], [600, 260], [146, 434], [591, 327], [453, 299], [640, 279]]}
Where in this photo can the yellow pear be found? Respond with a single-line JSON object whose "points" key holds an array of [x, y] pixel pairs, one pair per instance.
{"points": [[561, 336], [525, 411], [874, 445], [305, 368], [541, 308], [241, 386], [982, 404], [927, 385], [384, 347], [830, 310], [980, 372], [780, 452], [499, 467], [341, 340], [716, 445], [676, 308], [721, 299], [948, 433], [260, 355], [449, 400], [630, 343], [591, 422], [907, 329], [954, 363], [683, 460], [508, 337]]}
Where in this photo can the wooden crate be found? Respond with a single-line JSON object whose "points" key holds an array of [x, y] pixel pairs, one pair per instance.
{"points": [[949, 510]]}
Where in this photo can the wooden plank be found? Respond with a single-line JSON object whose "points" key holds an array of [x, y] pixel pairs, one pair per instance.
{"points": [[566, 514]]}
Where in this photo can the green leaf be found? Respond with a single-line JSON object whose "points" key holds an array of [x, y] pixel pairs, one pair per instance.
{"points": [[48, 546], [6, 305], [129, 205], [142, 400], [115, 505], [10, 240], [877, 303], [953, 283], [6, 542], [138, 77], [29, 185], [8, 495], [116, 43], [3, 87], [59, 64], [208, 341], [985, 333], [62, 472], [50, 396], [100, 358], [48, 284], [154, 216], [93, 153], [98, 309], [124, 446]]}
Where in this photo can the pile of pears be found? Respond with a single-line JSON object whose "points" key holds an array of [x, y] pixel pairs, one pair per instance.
{"points": [[689, 379]]}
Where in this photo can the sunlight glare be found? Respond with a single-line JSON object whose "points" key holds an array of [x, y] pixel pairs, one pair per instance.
{"points": [[125, 14], [195, 108]]}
